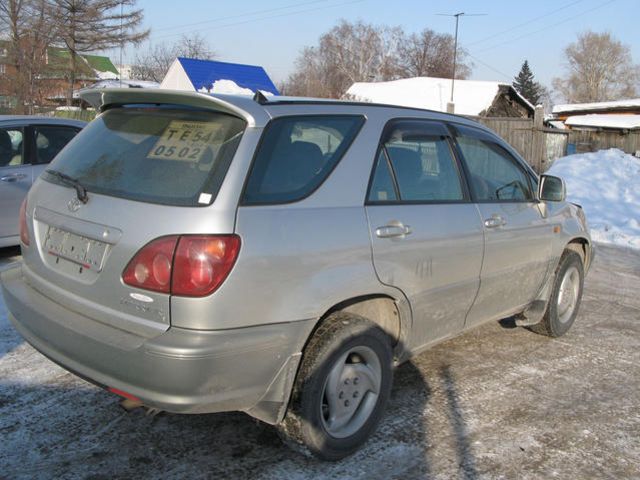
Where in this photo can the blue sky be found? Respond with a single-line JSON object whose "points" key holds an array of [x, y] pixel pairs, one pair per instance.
{"points": [[272, 33]]}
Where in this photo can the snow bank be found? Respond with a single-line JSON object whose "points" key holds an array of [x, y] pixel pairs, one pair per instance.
{"points": [[605, 184], [227, 86]]}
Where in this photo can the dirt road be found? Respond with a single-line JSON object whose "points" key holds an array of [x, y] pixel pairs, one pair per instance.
{"points": [[497, 402]]}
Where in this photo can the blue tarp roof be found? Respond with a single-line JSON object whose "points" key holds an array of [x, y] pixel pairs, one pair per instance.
{"points": [[203, 73]]}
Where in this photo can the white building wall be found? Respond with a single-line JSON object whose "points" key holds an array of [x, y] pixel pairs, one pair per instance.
{"points": [[177, 79]]}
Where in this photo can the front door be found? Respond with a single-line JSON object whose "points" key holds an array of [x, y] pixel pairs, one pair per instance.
{"points": [[426, 235], [15, 181], [517, 235]]}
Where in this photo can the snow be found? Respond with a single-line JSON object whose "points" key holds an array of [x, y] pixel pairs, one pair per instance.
{"points": [[471, 97], [228, 87], [604, 121], [106, 75], [576, 107], [115, 83], [557, 124], [605, 184]]}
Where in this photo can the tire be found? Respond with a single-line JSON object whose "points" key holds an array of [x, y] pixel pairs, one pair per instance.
{"points": [[341, 390], [566, 295]]}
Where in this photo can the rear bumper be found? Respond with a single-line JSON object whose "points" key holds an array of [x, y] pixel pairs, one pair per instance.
{"points": [[180, 370]]}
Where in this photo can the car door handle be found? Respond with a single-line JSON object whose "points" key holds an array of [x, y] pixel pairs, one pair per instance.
{"points": [[495, 221], [389, 231], [13, 177]]}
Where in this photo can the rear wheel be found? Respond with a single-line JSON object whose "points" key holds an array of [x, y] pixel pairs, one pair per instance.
{"points": [[566, 295], [341, 390]]}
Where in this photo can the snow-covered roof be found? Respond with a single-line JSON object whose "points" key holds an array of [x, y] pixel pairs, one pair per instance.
{"points": [[599, 120], [471, 97], [579, 107], [205, 75]]}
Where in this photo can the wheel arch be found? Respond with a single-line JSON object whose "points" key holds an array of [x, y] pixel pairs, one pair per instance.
{"points": [[582, 246]]}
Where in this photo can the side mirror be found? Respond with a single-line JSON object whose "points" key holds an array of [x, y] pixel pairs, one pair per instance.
{"points": [[551, 189]]}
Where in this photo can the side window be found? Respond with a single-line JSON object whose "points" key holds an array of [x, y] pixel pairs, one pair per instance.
{"points": [[11, 147], [382, 186], [50, 140], [422, 162], [296, 155], [494, 173]]}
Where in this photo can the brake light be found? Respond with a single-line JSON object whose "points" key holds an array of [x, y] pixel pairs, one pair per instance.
{"points": [[188, 265], [150, 268], [202, 263], [24, 231]]}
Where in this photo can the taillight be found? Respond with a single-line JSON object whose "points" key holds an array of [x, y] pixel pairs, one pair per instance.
{"points": [[189, 265], [202, 263], [150, 268], [24, 231]]}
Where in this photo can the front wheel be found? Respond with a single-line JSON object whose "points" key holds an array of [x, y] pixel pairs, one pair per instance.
{"points": [[566, 295], [342, 388]]}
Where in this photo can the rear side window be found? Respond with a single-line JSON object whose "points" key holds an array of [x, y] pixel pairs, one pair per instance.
{"points": [[167, 155], [424, 169], [50, 140], [296, 155]]}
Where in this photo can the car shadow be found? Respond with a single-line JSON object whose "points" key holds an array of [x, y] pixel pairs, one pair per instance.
{"points": [[56, 425]]}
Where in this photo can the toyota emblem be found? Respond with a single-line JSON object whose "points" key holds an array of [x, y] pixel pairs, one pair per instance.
{"points": [[74, 204]]}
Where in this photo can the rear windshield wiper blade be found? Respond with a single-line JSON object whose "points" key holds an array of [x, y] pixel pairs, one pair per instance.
{"points": [[81, 191]]}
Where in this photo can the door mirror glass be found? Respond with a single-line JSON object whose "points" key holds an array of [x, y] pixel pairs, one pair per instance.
{"points": [[551, 189]]}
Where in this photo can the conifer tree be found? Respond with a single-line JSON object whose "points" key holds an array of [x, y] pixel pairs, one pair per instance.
{"points": [[525, 84]]}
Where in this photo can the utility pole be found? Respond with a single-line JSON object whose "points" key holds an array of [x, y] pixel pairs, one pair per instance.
{"points": [[450, 107], [455, 54]]}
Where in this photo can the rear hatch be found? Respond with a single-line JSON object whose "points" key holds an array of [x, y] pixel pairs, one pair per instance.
{"points": [[148, 172]]}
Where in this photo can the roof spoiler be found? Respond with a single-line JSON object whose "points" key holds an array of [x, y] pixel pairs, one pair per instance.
{"points": [[251, 111]]}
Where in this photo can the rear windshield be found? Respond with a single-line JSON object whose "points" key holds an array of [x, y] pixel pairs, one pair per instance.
{"points": [[165, 155]]}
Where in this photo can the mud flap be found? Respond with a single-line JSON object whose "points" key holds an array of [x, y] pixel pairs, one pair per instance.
{"points": [[272, 406]]}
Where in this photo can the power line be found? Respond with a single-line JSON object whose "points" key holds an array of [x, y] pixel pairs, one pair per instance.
{"points": [[490, 67], [548, 26], [240, 15], [524, 23], [297, 12]]}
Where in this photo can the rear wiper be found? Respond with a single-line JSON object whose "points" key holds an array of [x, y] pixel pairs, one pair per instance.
{"points": [[81, 191]]}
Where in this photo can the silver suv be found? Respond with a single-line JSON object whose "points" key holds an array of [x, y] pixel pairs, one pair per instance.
{"points": [[197, 253]]}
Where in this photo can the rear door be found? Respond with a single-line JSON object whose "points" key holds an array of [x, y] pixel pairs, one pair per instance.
{"points": [[15, 179], [149, 172], [517, 235], [426, 234]]}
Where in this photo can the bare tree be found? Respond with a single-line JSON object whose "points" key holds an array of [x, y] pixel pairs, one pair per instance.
{"points": [[348, 53], [599, 68], [30, 34], [154, 63], [361, 52], [89, 25], [430, 54]]}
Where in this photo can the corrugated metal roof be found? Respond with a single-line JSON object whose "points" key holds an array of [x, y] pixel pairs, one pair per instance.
{"points": [[203, 73]]}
